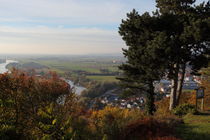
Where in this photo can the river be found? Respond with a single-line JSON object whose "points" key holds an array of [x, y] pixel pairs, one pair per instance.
{"points": [[3, 68], [78, 89]]}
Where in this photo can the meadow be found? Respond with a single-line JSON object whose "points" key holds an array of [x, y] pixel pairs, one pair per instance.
{"points": [[94, 68]]}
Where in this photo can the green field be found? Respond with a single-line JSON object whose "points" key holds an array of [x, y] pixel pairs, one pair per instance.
{"points": [[89, 65], [195, 127], [64, 66], [103, 78]]}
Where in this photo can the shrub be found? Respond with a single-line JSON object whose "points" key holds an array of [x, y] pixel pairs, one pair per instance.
{"points": [[188, 97], [206, 83], [167, 138], [184, 109], [162, 107], [110, 121], [8, 132], [148, 129]]}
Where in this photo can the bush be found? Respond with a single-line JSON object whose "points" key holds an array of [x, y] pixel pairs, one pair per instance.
{"points": [[110, 121], [162, 108], [149, 129], [188, 97], [167, 138], [184, 109], [8, 132]]}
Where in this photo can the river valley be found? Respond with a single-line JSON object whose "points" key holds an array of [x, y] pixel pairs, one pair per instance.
{"points": [[78, 89]]}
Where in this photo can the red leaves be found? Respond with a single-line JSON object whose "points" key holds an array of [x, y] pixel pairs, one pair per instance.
{"points": [[149, 129], [22, 95], [19, 81]]}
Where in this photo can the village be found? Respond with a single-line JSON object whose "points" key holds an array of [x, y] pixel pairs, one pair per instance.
{"points": [[162, 90]]}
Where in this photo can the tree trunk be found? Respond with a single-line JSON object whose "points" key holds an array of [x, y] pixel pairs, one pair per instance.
{"points": [[174, 83], [173, 94], [150, 106], [180, 84]]}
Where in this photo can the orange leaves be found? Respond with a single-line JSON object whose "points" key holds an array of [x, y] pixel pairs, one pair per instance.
{"points": [[162, 107], [111, 121], [188, 98], [111, 114], [18, 82], [206, 83], [22, 95]]}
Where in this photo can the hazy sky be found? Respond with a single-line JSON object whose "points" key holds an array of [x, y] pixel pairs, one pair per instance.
{"points": [[64, 26]]}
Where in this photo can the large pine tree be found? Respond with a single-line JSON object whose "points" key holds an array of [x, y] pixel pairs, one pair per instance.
{"points": [[163, 44], [144, 55], [190, 34]]}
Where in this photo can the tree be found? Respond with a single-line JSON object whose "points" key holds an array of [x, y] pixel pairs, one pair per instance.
{"points": [[205, 82], [164, 44], [21, 98], [140, 32], [190, 34]]}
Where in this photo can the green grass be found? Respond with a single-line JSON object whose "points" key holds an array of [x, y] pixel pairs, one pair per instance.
{"points": [[188, 90], [94, 66], [195, 127], [65, 66], [103, 78]]}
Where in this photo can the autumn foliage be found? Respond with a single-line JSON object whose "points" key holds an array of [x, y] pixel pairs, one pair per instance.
{"points": [[22, 97], [206, 83], [185, 98], [149, 129], [45, 108]]}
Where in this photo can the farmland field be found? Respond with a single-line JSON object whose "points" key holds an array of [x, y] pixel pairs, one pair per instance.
{"points": [[103, 78], [93, 67]]}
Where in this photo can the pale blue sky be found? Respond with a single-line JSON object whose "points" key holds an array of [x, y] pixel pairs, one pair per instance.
{"points": [[65, 26]]}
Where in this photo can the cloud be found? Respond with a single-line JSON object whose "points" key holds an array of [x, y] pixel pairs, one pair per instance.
{"points": [[64, 26], [59, 40], [71, 11]]}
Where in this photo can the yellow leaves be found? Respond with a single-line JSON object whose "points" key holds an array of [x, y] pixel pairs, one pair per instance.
{"points": [[114, 115], [105, 137], [109, 122], [43, 114], [46, 137], [50, 108], [46, 112], [54, 121], [116, 112]]}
